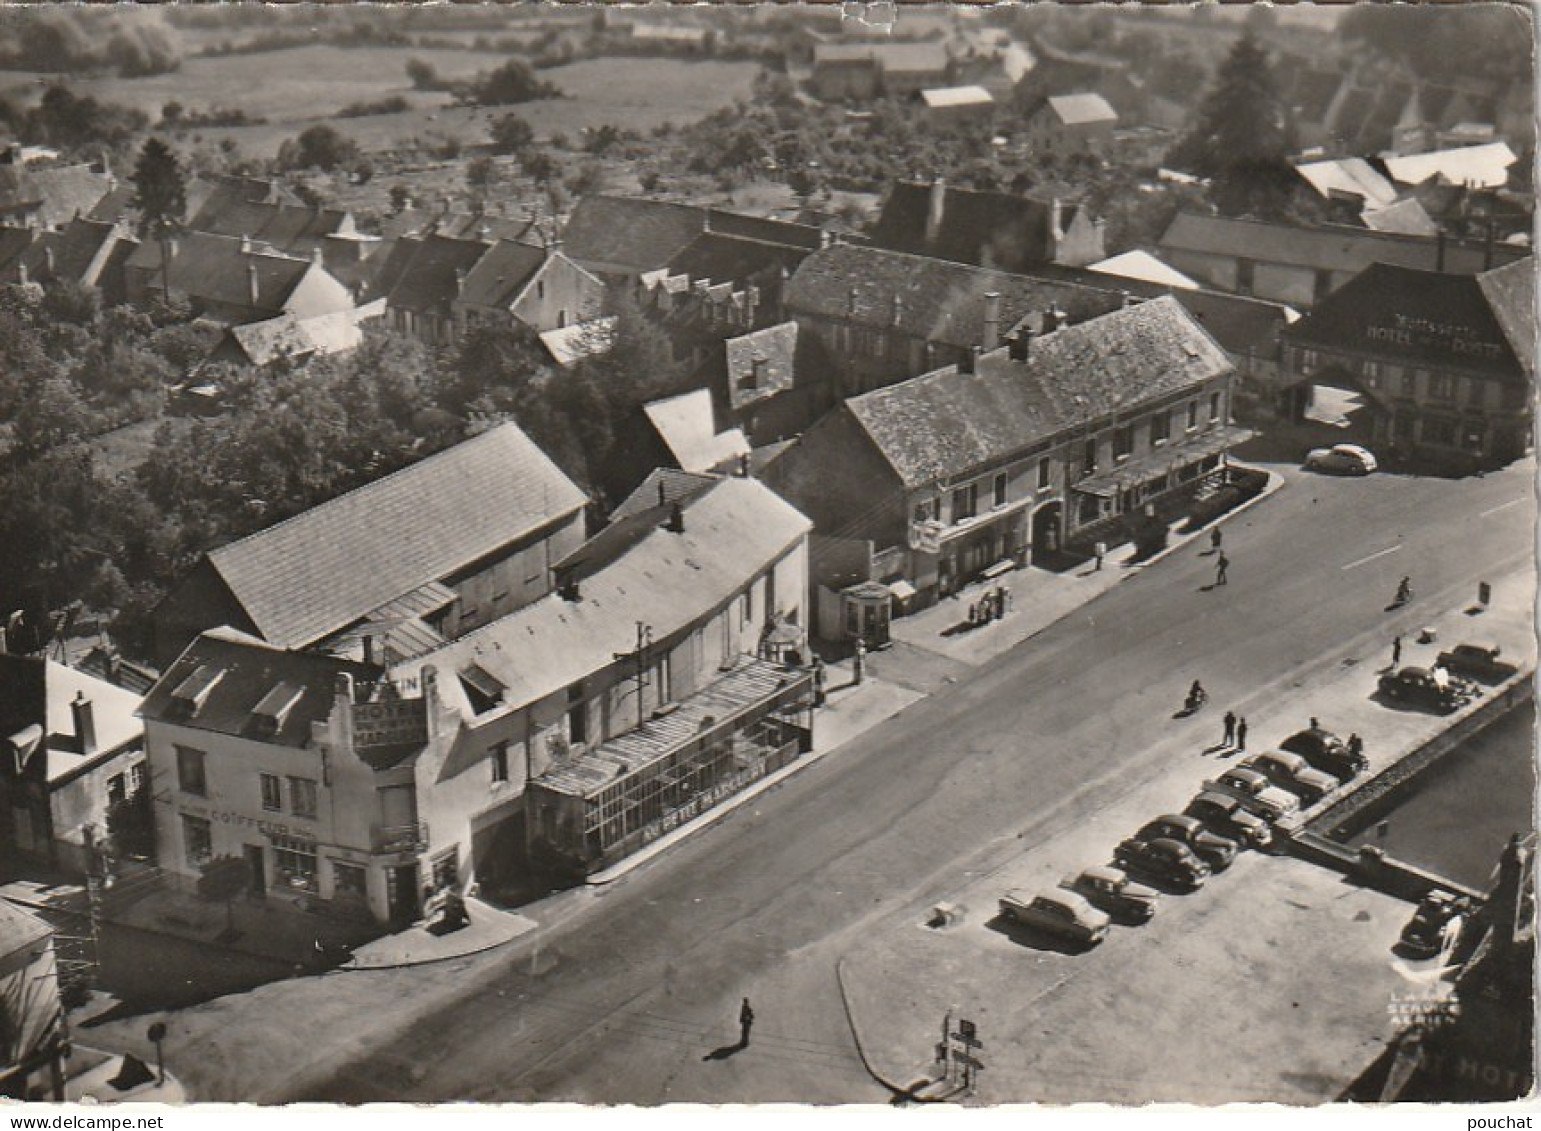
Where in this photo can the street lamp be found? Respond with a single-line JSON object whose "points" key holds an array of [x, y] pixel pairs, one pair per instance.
{"points": [[157, 1034]]}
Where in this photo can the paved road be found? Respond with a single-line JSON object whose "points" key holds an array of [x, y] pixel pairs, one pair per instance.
{"points": [[622, 1001]]}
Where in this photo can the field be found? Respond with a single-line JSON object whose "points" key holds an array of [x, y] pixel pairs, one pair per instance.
{"points": [[300, 86]]}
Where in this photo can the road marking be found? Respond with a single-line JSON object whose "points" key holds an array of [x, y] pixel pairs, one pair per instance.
{"points": [[1372, 557], [1503, 506]]}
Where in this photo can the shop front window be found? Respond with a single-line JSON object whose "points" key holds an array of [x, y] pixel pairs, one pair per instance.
{"points": [[295, 862], [348, 881], [197, 841]]}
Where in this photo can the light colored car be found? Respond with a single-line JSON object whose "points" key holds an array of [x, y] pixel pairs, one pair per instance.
{"points": [[1294, 773], [1342, 459], [1062, 913], [1112, 891], [1253, 790]]}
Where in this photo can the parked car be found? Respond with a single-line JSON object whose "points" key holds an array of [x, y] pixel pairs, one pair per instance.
{"points": [[1229, 817], [1294, 773], [1164, 860], [1253, 791], [1433, 688], [1341, 459], [1476, 661], [1062, 913], [1438, 916], [1326, 751], [1114, 892], [1212, 848]]}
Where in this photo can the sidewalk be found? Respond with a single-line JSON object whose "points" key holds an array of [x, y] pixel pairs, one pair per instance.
{"points": [[1136, 1019], [488, 927]]}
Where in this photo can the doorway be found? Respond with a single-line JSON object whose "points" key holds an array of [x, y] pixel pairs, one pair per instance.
{"points": [[403, 899], [1047, 531], [256, 863]]}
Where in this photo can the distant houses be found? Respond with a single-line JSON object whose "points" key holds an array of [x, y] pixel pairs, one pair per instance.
{"points": [[1067, 124]]}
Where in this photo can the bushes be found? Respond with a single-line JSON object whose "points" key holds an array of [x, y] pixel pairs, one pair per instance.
{"points": [[395, 104], [1245, 483]]}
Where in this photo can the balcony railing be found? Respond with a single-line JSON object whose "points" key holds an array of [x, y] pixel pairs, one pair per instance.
{"points": [[399, 838]]}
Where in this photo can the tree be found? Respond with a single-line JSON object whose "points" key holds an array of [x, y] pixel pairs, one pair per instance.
{"points": [[160, 194], [401, 198], [482, 172], [319, 147], [223, 880], [511, 134], [1242, 139], [514, 81], [423, 76]]}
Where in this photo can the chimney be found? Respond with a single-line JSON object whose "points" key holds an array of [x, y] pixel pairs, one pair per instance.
{"points": [[1056, 222], [937, 209], [569, 590], [743, 465], [369, 648], [460, 281], [850, 301], [898, 309], [1053, 319], [253, 283], [662, 495], [756, 372], [992, 320], [48, 256], [676, 523], [1020, 344], [85, 723], [971, 361], [316, 256], [245, 245], [21, 274], [826, 239]]}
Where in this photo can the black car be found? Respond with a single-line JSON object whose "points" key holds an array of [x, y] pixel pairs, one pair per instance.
{"points": [[1433, 688], [1476, 661], [1230, 818], [1427, 931], [1166, 861], [1212, 848], [1326, 751]]}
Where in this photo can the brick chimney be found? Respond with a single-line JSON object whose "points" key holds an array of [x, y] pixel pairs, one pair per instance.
{"points": [[676, 523], [253, 283], [85, 723], [936, 210], [992, 320], [1020, 344]]}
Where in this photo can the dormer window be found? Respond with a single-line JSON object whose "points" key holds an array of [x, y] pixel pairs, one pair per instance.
{"points": [[193, 692], [273, 711]]}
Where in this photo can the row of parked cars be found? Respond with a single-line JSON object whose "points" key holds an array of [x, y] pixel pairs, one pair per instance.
{"points": [[1178, 852], [1450, 683]]}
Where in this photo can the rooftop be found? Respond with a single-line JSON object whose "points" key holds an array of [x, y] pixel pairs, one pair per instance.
{"points": [[687, 426], [1480, 166], [761, 364], [323, 569], [1082, 109], [999, 230], [221, 678], [942, 98], [424, 274], [501, 273], [949, 422], [670, 581]]}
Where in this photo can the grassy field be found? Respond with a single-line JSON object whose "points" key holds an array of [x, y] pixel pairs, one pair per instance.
{"points": [[300, 86]]}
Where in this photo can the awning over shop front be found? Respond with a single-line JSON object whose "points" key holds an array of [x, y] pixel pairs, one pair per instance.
{"points": [[901, 589], [983, 520], [1162, 461]]}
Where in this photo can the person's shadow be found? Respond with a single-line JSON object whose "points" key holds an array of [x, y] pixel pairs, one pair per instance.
{"points": [[726, 1051]]}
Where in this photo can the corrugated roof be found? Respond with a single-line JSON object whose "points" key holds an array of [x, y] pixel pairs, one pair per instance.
{"points": [[1082, 109], [247, 670], [688, 428], [930, 299], [322, 570], [1434, 317], [947, 423], [669, 581]]}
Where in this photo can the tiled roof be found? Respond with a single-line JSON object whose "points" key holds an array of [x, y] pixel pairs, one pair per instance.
{"points": [[67, 191], [1334, 248], [663, 485], [215, 269], [249, 670], [947, 423], [732, 259], [288, 227], [14, 246], [17, 191], [629, 234], [1433, 317], [503, 270], [634, 235], [323, 569], [287, 336], [761, 364], [423, 274], [985, 229], [1511, 294], [936, 300], [1082, 109], [688, 429], [669, 581]]}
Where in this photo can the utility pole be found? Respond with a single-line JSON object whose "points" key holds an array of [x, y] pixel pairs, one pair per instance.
{"points": [[644, 641]]}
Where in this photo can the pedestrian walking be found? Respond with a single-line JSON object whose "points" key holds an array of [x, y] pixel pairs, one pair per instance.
{"points": [[1316, 723], [1396, 650], [1355, 745], [1241, 734], [818, 681], [999, 603], [1230, 728], [1214, 540], [973, 615], [1005, 598], [1101, 550], [745, 1023], [1220, 567]]}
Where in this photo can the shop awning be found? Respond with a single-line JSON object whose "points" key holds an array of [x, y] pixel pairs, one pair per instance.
{"points": [[1162, 461], [901, 589], [984, 519]]}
